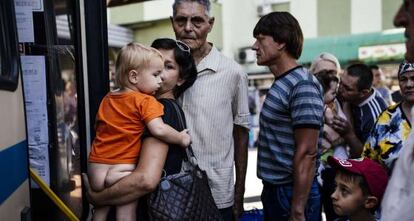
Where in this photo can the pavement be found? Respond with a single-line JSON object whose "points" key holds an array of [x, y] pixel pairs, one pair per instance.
{"points": [[254, 185]]}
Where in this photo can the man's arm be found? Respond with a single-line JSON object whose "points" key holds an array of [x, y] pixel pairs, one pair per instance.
{"points": [[141, 181], [344, 128], [241, 140], [304, 161]]}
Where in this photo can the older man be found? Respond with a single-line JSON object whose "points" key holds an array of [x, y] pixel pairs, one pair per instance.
{"points": [[290, 123], [216, 107]]}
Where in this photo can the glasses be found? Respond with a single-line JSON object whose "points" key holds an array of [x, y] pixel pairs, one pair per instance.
{"points": [[183, 46], [196, 21]]}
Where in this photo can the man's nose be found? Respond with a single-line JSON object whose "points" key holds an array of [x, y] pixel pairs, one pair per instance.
{"points": [[254, 46], [400, 19], [188, 25]]}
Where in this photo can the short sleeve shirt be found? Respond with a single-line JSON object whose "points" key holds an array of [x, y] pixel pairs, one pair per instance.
{"points": [[295, 100], [120, 123], [217, 100], [366, 113], [386, 139]]}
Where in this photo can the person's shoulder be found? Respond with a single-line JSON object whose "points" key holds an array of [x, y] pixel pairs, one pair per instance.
{"points": [[302, 76], [229, 64], [167, 103]]}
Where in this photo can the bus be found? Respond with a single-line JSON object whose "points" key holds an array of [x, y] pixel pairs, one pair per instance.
{"points": [[54, 72]]}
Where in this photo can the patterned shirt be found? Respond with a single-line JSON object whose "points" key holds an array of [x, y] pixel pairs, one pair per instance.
{"points": [[217, 100], [294, 101], [385, 141], [366, 113]]}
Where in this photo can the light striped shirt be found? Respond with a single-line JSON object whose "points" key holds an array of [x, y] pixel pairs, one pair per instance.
{"points": [[217, 100], [294, 101]]}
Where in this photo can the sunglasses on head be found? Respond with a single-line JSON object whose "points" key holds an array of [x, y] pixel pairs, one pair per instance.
{"points": [[183, 46]]}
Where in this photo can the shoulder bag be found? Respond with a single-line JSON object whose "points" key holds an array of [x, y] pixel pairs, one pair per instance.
{"points": [[185, 195]]}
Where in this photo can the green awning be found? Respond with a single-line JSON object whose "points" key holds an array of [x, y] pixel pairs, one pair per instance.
{"points": [[345, 48]]}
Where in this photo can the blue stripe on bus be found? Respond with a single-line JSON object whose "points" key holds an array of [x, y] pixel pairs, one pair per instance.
{"points": [[13, 169]]}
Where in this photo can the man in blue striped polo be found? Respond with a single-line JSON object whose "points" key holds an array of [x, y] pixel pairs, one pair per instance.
{"points": [[291, 123], [363, 102]]}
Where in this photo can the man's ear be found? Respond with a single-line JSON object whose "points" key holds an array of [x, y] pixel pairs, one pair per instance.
{"points": [[211, 22], [172, 20], [281, 46], [180, 82], [133, 76], [371, 202]]}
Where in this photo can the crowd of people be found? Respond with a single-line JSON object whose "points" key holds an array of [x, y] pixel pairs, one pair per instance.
{"points": [[329, 140]]}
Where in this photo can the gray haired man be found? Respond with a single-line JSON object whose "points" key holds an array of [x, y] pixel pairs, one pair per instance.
{"points": [[216, 107]]}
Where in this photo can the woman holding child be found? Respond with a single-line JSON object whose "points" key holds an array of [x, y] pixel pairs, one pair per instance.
{"points": [[178, 72]]}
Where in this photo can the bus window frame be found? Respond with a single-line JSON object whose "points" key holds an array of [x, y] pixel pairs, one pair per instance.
{"points": [[10, 59]]}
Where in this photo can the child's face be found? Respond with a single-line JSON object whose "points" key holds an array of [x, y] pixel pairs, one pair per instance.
{"points": [[330, 95], [348, 197], [149, 78]]}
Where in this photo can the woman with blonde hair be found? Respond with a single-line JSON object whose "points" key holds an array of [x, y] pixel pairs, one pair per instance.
{"points": [[325, 61]]}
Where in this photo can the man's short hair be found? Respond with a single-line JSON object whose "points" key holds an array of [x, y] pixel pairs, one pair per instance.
{"points": [[364, 75], [205, 3], [283, 28]]}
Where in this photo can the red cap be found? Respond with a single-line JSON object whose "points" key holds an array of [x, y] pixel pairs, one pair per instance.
{"points": [[374, 174]]}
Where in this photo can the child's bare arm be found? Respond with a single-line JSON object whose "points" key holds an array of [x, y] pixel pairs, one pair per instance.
{"points": [[168, 134]]}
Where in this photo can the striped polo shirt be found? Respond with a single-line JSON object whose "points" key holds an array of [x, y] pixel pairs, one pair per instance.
{"points": [[295, 100], [366, 113], [217, 100]]}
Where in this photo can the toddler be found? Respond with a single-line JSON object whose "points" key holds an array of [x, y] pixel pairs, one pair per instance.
{"points": [[122, 118]]}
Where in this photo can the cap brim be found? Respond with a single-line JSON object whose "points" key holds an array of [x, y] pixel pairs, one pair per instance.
{"points": [[343, 164]]}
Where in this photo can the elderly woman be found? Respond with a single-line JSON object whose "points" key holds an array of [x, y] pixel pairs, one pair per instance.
{"points": [[325, 61], [393, 126]]}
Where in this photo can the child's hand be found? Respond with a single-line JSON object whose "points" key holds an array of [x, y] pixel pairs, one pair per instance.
{"points": [[185, 138], [329, 116]]}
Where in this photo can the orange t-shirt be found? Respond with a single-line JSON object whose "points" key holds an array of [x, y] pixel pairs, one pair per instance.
{"points": [[120, 123]]}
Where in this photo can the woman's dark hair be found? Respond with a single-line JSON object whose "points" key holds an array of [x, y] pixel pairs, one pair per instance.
{"points": [[187, 66], [284, 28]]}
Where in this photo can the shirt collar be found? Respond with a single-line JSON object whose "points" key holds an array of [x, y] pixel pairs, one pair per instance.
{"points": [[371, 97], [211, 61]]}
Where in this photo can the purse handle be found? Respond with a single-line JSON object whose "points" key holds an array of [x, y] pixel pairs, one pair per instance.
{"points": [[184, 126]]}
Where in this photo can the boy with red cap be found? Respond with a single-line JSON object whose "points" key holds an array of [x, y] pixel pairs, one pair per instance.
{"points": [[360, 185]]}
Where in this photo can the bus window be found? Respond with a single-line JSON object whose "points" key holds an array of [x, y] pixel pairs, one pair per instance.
{"points": [[9, 55]]}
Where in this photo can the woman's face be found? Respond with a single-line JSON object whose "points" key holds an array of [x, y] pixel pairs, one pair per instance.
{"points": [[407, 86], [170, 75]]}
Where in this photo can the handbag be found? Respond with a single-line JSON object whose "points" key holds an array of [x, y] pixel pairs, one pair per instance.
{"points": [[185, 195]]}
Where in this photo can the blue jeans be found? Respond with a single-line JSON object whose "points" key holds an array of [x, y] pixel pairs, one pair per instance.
{"points": [[277, 200]]}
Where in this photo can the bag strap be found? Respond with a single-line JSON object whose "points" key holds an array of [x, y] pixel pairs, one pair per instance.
{"points": [[183, 126]]}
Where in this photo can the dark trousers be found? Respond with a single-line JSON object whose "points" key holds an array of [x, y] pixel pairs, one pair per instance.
{"points": [[227, 213], [277, 200]]}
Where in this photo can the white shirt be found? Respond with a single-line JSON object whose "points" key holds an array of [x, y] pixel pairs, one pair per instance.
{"points": [[217, 100]]}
